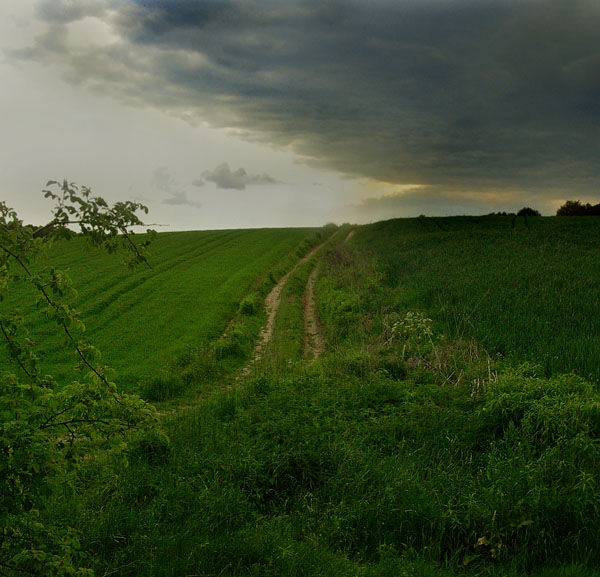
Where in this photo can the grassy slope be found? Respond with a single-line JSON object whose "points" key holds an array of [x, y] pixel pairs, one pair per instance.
{"points": [[527, 293], [368, 462], [140, 319]]}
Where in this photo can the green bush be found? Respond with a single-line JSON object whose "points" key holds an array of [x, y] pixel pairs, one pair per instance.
{"points": [[230, 345], [248, 305]]}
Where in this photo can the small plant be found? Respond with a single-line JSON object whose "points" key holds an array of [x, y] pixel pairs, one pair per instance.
{"points": [[230, 345], [414, 331], [248, 305]]}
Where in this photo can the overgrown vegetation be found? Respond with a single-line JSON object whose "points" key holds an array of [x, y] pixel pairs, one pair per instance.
{"points": [[413, 447], [527, 293], [50, 429]]}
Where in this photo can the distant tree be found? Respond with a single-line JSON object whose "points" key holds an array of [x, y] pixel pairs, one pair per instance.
{"points": [[49, 429], [527, 211], [576, 208], [571, 208]]}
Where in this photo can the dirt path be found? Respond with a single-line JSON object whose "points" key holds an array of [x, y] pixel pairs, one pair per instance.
{"points": [[314, 340], [272, 305]]}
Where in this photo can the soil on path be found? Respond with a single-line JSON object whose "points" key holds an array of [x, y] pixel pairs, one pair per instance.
{"points": [[314, 340], [272, 305]]}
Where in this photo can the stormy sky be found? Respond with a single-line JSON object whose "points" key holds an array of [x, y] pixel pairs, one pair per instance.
{"points": [[221, 113]]}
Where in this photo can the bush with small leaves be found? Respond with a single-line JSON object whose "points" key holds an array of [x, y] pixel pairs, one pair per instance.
{"points": [[50, 429]]}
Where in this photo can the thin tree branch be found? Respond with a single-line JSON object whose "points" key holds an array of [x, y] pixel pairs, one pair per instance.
{"points": [[51, 302], [14, 352]]}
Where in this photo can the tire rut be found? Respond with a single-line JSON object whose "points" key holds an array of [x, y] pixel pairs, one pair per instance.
{"points": [[272, 302], [314, 339]]}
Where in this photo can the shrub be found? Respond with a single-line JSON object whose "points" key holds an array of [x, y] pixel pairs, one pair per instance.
{"points": [[248, 305], [527, 211], [230, 345]]}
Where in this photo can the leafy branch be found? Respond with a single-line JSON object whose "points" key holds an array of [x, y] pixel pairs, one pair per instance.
{"points": [[34, 460]]}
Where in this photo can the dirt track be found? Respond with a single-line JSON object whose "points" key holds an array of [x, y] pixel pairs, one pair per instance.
{"points": [[314, 340], [272, 305]]}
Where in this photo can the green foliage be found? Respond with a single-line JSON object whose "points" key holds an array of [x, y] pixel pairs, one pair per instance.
{"points": [[49, 429], [368, 474], [248, 305], [152, 447]]}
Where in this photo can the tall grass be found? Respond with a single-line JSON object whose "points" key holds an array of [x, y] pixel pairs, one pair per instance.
{"points": [[322, 472], [528, 292]]}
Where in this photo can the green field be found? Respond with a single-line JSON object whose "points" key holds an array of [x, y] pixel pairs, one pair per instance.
{"points": [[527, 293], [139, 320], [442, 433]]}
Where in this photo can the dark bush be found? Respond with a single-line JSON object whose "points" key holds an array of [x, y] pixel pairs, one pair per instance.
{"points": [[575, 208], [528, 211]]}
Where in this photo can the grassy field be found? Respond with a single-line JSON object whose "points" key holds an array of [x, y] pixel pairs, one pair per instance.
{"points": [[140, 320], [527, 293], [408, 449]]}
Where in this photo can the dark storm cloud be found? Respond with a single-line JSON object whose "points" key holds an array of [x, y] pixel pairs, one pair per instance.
{"points": [[238, 179], [63, 11], [479, 94]]}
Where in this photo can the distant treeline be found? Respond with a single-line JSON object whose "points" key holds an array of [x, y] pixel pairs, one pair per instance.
{"points": [[525, 211], [575, 208], [569, 208]]}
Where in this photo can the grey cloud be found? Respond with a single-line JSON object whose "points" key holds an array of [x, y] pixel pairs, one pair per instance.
{"points": [[486, 95], [64, 11], [238, 179], [162, 179], [181, 199], [198, 182]]}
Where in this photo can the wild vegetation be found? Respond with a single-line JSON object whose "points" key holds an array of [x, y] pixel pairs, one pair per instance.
{"points": [[527, 292], [432, 437], [52, 431]]}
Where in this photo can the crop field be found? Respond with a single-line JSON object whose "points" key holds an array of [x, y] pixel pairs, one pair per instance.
{"points": [[527, 293], [439, 432], [139, 319]]}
